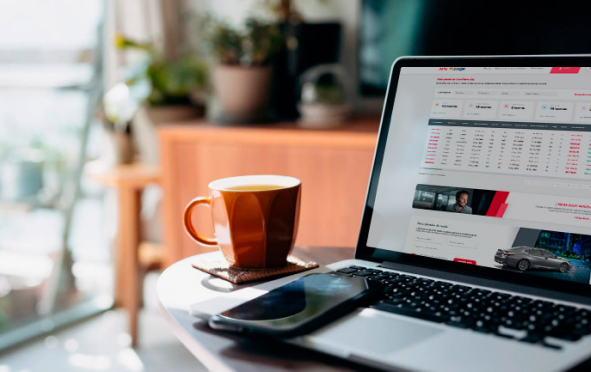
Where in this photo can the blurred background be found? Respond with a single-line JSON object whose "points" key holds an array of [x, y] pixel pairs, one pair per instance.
{"points": [[114, 114]]}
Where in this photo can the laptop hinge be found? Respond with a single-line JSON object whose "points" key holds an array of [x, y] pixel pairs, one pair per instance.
{"points": [[441, 274]]}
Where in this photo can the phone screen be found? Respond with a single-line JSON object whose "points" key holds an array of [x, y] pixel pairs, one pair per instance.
{"points": [[299, 301]]}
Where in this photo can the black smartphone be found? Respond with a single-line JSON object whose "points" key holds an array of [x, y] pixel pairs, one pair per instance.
{"points": [[298, 307]]}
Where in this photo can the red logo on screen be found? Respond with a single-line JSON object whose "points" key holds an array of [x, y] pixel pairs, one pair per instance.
{"points": [[463, 260], [565, 70]]}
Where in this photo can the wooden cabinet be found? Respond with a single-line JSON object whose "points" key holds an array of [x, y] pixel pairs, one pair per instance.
{"points": [[334, 166]]}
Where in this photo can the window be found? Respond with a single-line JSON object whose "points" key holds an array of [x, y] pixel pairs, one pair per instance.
{"points": [[536, 252]]}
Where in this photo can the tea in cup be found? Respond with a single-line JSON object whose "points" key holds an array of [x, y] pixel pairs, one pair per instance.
{"points": [[255, 219]]}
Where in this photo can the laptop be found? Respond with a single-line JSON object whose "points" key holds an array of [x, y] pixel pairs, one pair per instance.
{"points": [[477, 220]]}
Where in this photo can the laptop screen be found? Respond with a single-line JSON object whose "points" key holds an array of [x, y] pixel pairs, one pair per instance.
{"points": [[489, 166]]}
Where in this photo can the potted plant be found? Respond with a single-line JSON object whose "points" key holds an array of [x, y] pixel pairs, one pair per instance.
{"points": [[242, 76], [169, 90], [324, 102], [178, 82], [21, 173]]}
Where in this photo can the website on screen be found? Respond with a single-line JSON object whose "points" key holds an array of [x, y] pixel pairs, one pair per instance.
{"points": [[491, 167]]}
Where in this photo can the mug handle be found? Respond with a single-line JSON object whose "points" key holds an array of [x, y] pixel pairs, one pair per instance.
{"points": [[189, 225]]}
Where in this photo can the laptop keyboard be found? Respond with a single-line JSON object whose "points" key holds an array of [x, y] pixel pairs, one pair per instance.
{"points": [[496, 313]]}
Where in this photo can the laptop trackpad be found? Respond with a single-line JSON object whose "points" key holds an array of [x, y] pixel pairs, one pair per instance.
{"points": [[373, 331]]}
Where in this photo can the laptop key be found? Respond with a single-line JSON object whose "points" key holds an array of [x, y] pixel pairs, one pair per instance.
{"points": [[458, 324], [347, 271], [424, 315], [532, 338], [583, 331], [565, 336], [514, 325], [483, 330], [394, 301]]}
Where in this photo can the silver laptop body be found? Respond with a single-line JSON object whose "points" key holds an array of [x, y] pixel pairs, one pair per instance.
{"points": [[481, 179]]}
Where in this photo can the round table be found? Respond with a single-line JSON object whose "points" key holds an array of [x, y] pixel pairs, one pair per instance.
{"points": [[180, 285]]}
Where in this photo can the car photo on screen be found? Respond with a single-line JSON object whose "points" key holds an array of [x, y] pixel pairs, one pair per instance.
{"points": [[553, 254], [525, 258]]}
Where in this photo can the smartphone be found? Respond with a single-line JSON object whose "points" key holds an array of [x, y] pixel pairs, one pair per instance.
{"points": [[300, 306]]}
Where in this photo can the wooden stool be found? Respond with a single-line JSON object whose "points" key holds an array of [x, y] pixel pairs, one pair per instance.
{"points": [[132, 259]]}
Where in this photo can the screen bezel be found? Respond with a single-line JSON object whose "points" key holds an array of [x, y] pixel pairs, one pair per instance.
{"points": [[364, 252]]}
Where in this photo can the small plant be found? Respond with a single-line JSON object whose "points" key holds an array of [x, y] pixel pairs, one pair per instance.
{"points": [[329, 91], [172, 82], [255, 45]]}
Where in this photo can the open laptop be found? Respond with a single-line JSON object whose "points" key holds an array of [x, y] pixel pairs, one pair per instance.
{"points": [[477, 218]]}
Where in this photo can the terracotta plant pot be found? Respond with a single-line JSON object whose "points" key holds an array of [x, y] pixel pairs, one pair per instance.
{"points": [[243, 92], [119, 148]]}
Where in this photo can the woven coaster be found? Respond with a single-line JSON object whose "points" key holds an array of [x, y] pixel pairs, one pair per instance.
{"points": [[222, 269]]}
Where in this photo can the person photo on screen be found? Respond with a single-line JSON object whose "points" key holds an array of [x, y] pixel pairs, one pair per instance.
{"points": [[460, 206]]}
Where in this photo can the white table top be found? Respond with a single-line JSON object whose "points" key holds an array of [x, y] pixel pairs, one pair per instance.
{"points": [[180, 285]]}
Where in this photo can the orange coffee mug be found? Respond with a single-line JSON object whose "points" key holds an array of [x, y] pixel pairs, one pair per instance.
{"points": [[255, 219]]}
